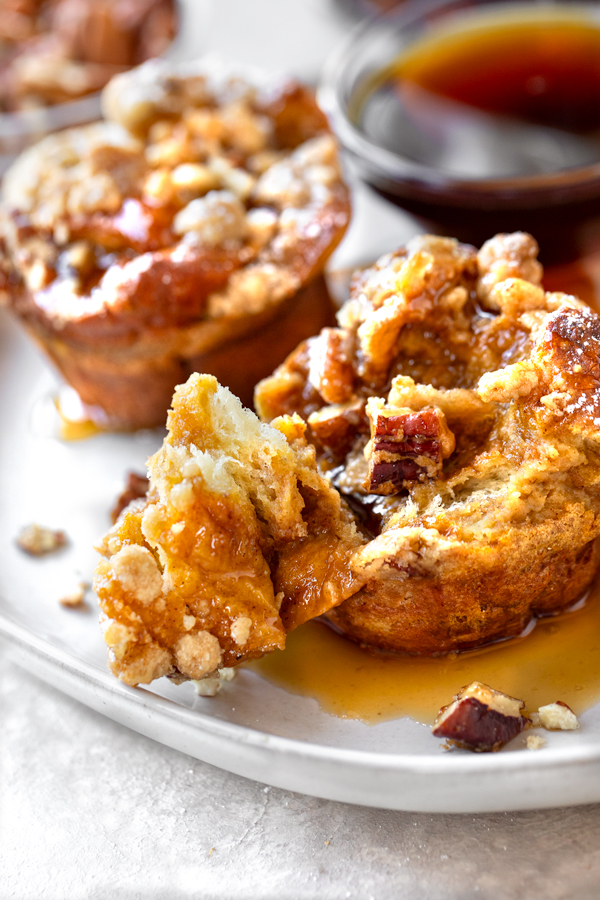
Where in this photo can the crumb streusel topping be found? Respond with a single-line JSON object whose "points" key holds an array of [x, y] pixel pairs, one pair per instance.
{"points": [[238, 541], [196, 167], [457, 409]]}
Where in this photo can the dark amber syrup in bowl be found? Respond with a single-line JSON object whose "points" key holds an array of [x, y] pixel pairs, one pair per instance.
{"points": [[477, 117]]}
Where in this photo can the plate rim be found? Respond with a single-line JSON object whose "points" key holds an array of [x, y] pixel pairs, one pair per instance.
{"points": [[431, 764]]}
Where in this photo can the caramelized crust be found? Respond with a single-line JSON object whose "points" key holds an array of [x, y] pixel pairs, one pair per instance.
{"points": [[140, 246], [238, 541], [483, 510]]}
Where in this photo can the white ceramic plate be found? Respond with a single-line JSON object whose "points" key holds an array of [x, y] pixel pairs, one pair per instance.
{"points": [[252, 728]]}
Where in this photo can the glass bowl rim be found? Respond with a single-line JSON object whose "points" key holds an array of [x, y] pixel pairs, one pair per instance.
{"points": [[388, 168]]}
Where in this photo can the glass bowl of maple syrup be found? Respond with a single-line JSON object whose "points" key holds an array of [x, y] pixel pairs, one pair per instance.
{"points": [[477, 117]]}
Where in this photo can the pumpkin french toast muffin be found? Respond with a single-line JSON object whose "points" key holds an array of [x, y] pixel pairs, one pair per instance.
{"points": [[456, 408], [429, 481], [238, 541], [188, 231]]}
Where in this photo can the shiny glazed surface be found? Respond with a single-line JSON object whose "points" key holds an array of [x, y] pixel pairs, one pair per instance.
{"points": [[558, 659]]}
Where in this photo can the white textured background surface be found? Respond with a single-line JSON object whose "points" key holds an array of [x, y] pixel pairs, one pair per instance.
{"points": [[89, 810]]}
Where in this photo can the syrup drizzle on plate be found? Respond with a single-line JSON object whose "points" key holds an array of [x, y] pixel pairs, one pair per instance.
{"points": [[558, 659]]}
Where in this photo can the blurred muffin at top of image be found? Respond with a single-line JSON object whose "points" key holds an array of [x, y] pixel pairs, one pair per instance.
{"points": [[188, 231], [53, 51]]}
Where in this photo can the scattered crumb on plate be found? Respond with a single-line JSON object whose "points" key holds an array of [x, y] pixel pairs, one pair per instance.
{"points": [[558, 717], [37, 540], [76, 597], [208, 687]]}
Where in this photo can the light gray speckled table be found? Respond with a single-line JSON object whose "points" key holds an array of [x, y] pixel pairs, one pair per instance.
{"points": [[90, 810]]}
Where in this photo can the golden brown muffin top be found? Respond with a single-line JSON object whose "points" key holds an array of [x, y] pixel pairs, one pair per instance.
{"points": [[455, 393], [205, 193]]}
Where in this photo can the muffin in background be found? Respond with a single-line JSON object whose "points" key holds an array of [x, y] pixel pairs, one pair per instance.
{"points": [[198, 216], [58, 50]]}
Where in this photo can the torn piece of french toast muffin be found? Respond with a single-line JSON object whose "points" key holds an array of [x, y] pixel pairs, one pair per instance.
{"points": [[188, 231], [456, 407], [238, 541]]}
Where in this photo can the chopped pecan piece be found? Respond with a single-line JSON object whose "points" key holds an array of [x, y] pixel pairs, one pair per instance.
{"points": [[331, 370], [480, 719], [136, 488], [405, 446], [335, 427]]}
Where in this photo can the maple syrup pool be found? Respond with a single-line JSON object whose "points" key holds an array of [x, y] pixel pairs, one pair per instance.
{"points": [[558, 659]]}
